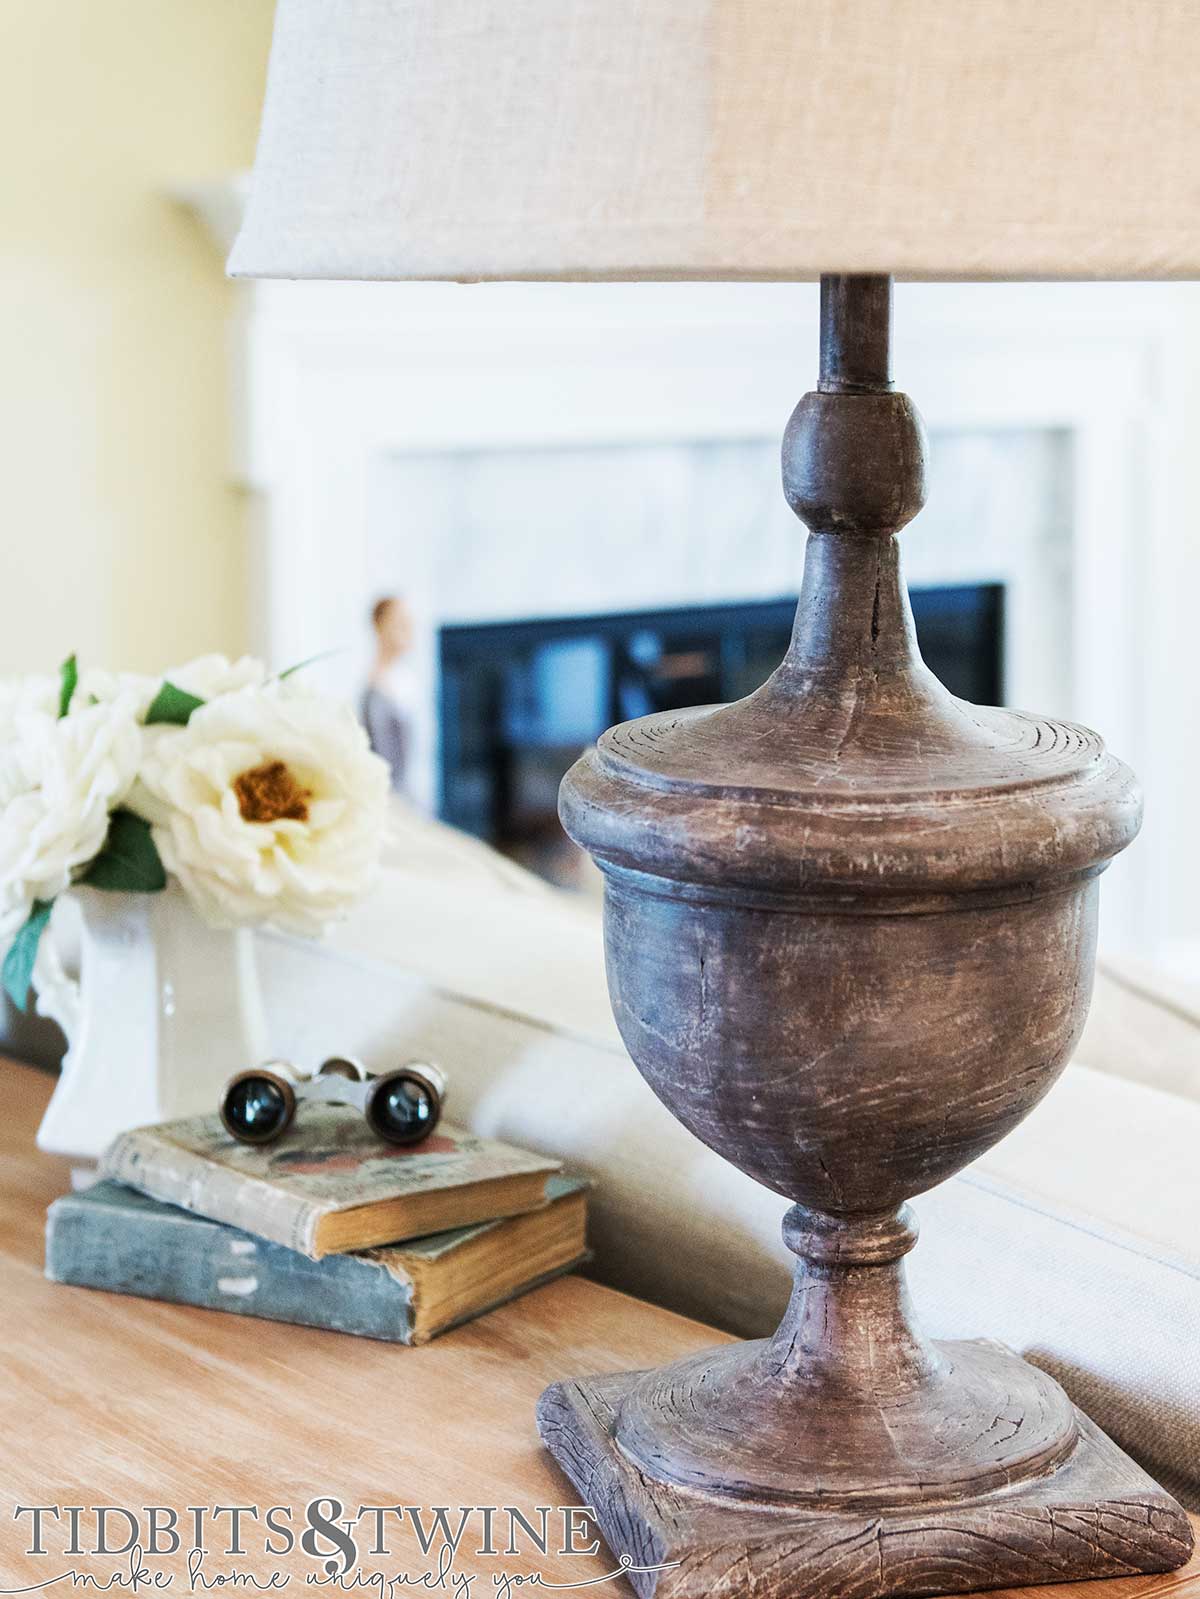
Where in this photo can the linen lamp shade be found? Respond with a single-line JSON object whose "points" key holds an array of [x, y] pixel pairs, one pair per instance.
{"points": [[756, 139]]}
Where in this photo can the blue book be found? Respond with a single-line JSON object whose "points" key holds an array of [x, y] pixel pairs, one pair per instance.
{"points": [[115, 1238]]}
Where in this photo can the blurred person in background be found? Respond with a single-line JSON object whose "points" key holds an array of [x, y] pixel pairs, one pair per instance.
{"points": [[387, 701]]}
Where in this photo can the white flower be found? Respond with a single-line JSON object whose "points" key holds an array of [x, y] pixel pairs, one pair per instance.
{"points": [[268, 807], [205, 677], [60, 778], [210, 675], [98, 686], [19, 699]]}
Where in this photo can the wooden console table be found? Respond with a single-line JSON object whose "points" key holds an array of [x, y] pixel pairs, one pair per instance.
{"points": [[109, 1400]]}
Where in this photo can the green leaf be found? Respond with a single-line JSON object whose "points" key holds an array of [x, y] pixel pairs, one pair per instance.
{"points": [[172, 704], [68, 678], [129, 862], [22, 952]]}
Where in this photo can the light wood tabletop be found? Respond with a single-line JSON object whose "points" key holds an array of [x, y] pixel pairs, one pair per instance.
{"points": [[112, 1400]]}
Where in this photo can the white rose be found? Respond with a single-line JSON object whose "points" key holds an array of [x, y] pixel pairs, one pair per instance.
{"points": [[210, 675], [268, 807], [205, 677], [60, 778], [19, 697], [133, 689]]}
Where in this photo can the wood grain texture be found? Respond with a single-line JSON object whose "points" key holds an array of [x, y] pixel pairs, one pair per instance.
{"points": [[1097, 1516], [108, 1399], [850, 929], [113, 1400]]}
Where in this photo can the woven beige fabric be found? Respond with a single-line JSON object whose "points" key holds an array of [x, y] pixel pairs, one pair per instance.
{"points": [[728, 139]]}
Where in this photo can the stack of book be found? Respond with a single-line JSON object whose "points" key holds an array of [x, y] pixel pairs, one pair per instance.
{"points": [[327, 1228]]}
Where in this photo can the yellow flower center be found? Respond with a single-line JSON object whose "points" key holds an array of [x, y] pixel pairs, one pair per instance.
{"points": [[270, 793]]}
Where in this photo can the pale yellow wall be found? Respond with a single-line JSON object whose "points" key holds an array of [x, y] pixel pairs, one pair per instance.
{"points": [[121, 535]]}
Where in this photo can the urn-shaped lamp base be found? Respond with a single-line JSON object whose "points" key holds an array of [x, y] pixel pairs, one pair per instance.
{"points": [[850, 930]]}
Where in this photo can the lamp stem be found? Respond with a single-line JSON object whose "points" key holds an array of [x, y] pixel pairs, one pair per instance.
{"points": [[856, 333]]}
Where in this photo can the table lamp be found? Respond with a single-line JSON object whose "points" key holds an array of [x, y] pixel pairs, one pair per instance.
{"points": [[850, 920]]}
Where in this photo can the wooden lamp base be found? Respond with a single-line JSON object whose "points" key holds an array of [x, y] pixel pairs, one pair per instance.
{"points": [[850, 928], [1096, 1514], [848, 1457]]}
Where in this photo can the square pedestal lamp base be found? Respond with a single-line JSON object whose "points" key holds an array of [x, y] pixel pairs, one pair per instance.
{"points": [[1096, 1515]]}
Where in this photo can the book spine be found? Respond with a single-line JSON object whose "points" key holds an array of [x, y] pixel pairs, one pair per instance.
{"points": [[189, 1261], [145, 1160]]}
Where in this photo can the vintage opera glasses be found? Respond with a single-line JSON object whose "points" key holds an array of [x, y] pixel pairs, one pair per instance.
{"points": [[401, 1106]]}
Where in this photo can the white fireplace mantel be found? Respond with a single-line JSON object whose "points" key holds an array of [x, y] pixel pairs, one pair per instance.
{"points": [[333, 383]]}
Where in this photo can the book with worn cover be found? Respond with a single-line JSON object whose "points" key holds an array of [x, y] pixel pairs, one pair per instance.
{"points": [[115, 1238], [330, 1185]]}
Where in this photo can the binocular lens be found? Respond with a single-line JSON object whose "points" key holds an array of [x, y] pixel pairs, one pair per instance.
{"points": [[403, 1110], [256, 1110]]}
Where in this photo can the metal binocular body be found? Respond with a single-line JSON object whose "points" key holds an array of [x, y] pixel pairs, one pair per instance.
{"points": [[401, 1106]]}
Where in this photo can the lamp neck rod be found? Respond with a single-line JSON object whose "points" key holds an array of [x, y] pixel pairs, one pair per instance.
{"points": [[856, 333]]}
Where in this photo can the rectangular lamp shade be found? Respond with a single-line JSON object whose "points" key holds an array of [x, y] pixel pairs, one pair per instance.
{"points": [[728, 139]]}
